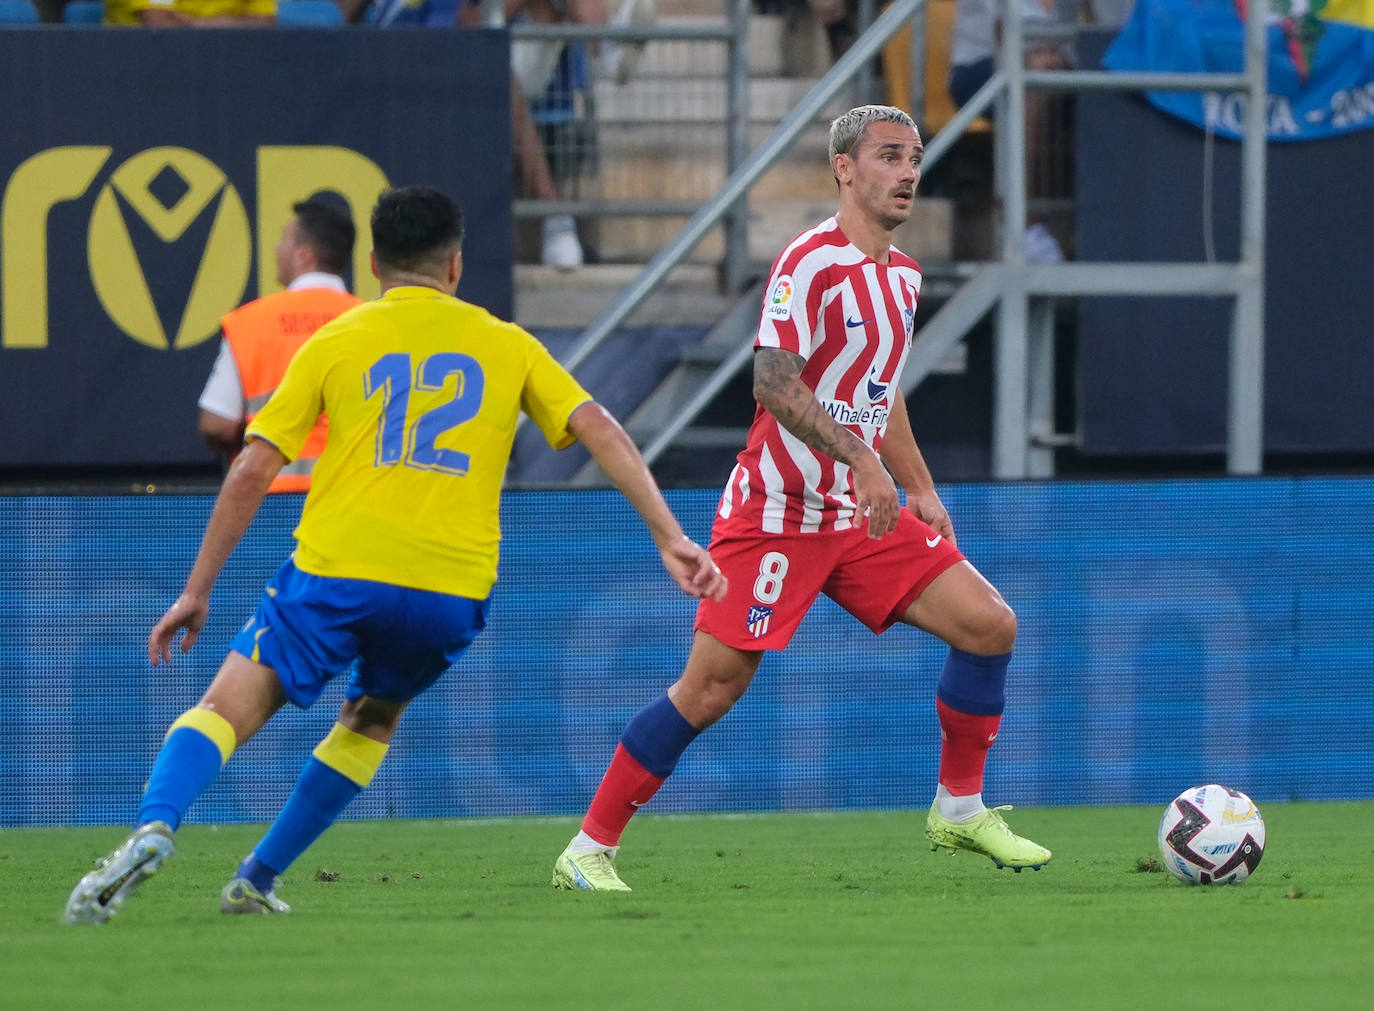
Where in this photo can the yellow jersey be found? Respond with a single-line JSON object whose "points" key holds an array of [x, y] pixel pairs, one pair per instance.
{"points": [[423, 392], [125, 12]]}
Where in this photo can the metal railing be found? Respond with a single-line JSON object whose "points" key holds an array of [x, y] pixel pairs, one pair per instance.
{"points": [[1023, 430], [1023, 435], [748, 172], [1017, 353], [733, 35]]}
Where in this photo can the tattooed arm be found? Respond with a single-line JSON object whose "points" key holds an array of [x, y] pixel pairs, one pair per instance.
{"points": [[780, 391]]}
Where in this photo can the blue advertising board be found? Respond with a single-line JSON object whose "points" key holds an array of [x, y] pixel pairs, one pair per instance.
{"points": [[1170, 633]]}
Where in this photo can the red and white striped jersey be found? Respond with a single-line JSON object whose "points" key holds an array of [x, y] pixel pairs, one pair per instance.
{"points": [[850, 318]]}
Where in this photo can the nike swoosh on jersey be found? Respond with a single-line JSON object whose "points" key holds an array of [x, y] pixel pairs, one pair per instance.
{"points": [[856, 322], [932, 541]]}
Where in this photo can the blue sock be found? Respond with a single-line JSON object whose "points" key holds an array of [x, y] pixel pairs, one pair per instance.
{"points": [[974, 684], [319, 797], [262, 876], [657, 736], [187, 764]]}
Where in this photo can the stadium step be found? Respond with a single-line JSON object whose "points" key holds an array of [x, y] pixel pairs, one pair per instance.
{"points": [[548, 298]]}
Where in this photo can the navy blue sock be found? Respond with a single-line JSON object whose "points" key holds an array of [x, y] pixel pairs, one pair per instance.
{"points": [[262, 876], [318, 799], [974, 684], [657, 736]]}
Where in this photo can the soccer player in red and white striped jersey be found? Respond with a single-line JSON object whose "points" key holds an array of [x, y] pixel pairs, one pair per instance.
{"points": [[847, 317], [813, 507]]}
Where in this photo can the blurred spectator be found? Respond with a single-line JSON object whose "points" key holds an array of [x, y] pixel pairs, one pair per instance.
{"points": [[1107, 13], [973, 58], [534, 62], [534, 65], [49, 11], [390, 13], [619, 62], [561, 247], [840, 19], [261, 337], [192, 13]]}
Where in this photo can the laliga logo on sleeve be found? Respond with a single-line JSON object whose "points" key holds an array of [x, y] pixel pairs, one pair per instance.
{"points": [[779, 304]]}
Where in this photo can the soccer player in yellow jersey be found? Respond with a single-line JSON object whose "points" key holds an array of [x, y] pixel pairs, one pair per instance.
{"points": [[397, 543]]}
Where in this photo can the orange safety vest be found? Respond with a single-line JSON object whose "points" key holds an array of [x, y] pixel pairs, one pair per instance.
{"points": [[264, 335]]}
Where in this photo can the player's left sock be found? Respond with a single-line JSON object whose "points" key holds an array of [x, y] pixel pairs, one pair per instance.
{"points": [[263, 877], [583, 843], [338, 770], [197, 745], [958, 809], [648, 752], [969, 701]]}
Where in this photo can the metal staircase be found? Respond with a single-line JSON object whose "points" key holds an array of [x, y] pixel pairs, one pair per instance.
{"points": [[669, 419], [1021, 294]]}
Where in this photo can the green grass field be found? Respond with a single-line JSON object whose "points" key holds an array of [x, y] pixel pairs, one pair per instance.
{"points": [[846, 910]]}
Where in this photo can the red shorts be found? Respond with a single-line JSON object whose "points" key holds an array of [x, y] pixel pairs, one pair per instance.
{"points": [[775, 578]]}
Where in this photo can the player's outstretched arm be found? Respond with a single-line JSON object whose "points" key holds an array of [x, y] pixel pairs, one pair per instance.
{"points": [[779, 389], [239, 497], [615, 453]]}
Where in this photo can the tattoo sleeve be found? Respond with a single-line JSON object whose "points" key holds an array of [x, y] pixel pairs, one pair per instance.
{"points": [[779, 390]]}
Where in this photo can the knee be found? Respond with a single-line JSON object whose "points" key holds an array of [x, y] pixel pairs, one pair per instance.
{"points": [[995, 632], [705, 703], [718, 699], [376, 718], [1003, 628]]}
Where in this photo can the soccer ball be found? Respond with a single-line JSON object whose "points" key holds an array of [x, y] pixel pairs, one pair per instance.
{"points": [[1211, 835]]}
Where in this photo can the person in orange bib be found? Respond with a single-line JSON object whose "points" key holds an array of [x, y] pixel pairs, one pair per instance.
{"points": [[261, 337]]}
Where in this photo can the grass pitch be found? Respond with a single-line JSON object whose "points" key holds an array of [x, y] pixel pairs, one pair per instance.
{"points": [[846, 910]]}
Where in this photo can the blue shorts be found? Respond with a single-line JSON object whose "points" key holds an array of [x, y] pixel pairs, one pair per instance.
{"points": [[310, 628], [966, 78]]}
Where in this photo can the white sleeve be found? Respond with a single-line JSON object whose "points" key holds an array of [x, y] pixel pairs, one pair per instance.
{"points": [[223, 393]]}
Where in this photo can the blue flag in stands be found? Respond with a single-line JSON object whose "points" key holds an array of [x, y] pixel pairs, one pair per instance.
{"points": [[1321, 62]]}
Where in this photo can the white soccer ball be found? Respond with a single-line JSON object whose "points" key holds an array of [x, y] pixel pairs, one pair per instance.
{"points": [[1211, 835]]}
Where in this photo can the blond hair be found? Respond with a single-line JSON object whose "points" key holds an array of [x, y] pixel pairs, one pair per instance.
{"points": [[847, 130]]}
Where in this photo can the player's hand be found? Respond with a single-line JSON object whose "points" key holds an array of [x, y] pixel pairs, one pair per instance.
{"points": [[876, 497], [927, 505], [187, 613], [693, 570]]}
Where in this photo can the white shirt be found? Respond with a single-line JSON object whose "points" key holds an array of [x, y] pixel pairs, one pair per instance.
{"points": [[223, 393], [975, 28]]}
